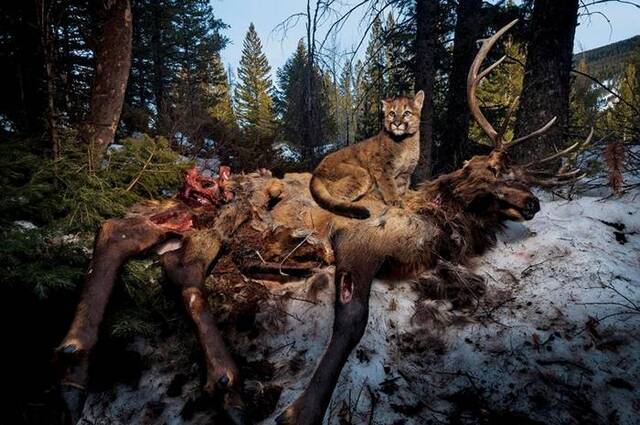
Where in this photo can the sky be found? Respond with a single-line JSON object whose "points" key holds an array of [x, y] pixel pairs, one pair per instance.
{"points": [[622, 21]]}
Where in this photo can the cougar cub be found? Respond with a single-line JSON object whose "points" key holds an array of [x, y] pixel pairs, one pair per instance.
{"points": [[385, 161]]}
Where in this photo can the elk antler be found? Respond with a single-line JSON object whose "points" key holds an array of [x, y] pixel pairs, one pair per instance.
{"points": [[474, 79], [549, 179]]}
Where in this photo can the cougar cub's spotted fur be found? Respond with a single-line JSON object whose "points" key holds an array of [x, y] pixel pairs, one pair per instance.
{"points": [[385, 161]]}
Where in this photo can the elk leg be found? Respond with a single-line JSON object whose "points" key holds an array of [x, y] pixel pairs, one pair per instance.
{"points": [[353, 285], [117, 241], [188, 272]]}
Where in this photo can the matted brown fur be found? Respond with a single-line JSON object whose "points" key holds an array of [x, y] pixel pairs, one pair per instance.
{"points": [[384, 162]]}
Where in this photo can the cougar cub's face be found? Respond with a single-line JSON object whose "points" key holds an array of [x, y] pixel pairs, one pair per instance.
{"points": [[402, 114]]}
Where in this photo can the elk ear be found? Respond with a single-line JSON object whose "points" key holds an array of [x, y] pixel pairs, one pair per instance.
{"points": [[418, 99]]}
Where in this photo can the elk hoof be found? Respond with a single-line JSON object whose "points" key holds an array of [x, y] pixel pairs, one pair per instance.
{"points": [[219, 385], [70, 350], [238, 416], [303, 411], [289, 416], [67, 349], [74, 398], [223, 382], [234, 409]]}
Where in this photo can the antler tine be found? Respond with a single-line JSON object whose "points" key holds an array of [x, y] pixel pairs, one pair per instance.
{"points": [[474, 79], [563, 152], [529, 136], [490, 68], [561, 177], [566, 174], [505, 123], [558, 181]]}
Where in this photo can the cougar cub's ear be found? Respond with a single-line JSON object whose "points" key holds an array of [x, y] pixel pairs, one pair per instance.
{"points": [[386, 103], [418, 99]]}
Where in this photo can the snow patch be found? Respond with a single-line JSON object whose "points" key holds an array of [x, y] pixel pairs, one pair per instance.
{"points": [[555, 339]]}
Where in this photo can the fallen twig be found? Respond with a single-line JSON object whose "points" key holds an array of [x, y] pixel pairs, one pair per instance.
{"points": [[564, 362], [144, 167]]}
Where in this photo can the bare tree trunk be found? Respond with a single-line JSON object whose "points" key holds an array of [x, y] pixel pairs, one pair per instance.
{"points": [[46, 44], [158, 70], [29, 66], [454, 148], [312, 129], [113, 61], [546, 84], [425, 73]]}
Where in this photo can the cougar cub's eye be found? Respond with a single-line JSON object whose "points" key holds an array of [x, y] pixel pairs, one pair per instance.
{"points": [[392, 114], [493, 170], [406, 114]]}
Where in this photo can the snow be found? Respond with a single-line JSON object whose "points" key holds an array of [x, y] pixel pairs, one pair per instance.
{"points": [[558, 270], [554, 340], [24, 225]]}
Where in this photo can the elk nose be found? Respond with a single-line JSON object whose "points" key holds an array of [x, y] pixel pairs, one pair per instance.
{"points": [[223, 381], [532, 207]]}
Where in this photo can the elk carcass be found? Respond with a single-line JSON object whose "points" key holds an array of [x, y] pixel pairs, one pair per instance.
{"points": [[271, 229]]}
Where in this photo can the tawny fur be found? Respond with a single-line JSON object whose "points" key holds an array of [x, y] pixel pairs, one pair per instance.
{"points": [[384, 162]]}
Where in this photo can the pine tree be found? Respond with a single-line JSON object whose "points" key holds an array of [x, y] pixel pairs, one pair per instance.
{"points": [[345, 119], [584, 98], [291, 106], [254, 89], [398, 76], [362, 100], [624, 119], [174, 46], [220, 90], [290, 99], [372, 88]]}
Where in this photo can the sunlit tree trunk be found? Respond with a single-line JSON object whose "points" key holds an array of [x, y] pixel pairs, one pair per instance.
{"points": [[113, 61]]}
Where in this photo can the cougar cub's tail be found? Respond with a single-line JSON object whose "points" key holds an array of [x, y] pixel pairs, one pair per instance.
{"points": [[322, 196]]}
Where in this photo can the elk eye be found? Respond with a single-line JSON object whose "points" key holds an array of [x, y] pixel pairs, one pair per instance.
{"points": [[406, 114]]}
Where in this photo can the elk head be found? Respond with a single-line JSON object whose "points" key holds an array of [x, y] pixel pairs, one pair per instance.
{"points": [[495, 181]]}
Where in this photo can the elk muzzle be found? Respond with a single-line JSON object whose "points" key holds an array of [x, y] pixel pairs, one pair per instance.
{"points": [[532, 206], [517, 204]]}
